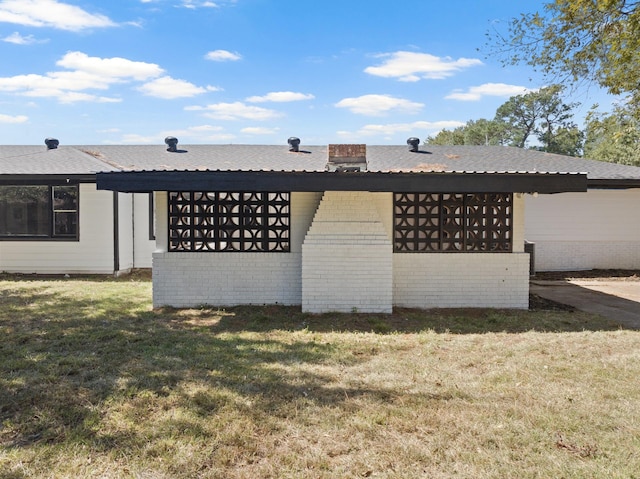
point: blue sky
(252, 71)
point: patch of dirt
(594, 274)
(538, 303)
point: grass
(94, 383)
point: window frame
(51, 234)
(438, 228)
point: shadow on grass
(406, 320)
(64, 353)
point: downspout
(116, 235)
(133, 230)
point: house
(356, 227)
(53, 220)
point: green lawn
(94, 383)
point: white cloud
(280, 97)
(170, 88)
(475, 93)
(13, 119)
(115, 67)
(193, 4)
(377, 105)
(235, 111)
(414, 128)
(135, 139)
(411, 66)
(51, 14)
(72, 97)
(222, 56)
(17, 39)
(256, 130)
(86, 73)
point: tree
(597, 41)
(447, 137)
(613, 137)
(539, 114)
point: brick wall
(225, 279)
(229, 279)
(455, 280)
(347, 256)
(342, 260)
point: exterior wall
(578, 231)
(229, 279)
(93, 254)
(342, 259)
(125, 232)
(143, 245)
(470, 280)
(456, 280)
(347, 257)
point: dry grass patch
(94, 383)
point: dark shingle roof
(89, 159)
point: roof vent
(172, 143)
(51, 143)
(294, 144)
(414, 143)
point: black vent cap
(414, 143)
(51, 143)
(172, 143)
(294, 143)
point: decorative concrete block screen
(229, 222)
(453, 222)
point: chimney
(51, 143)
(347, 158)
(414, 143)
(172, 143)
(294, 144)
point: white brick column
(347, 260)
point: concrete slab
(616, 300)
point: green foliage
(570, 41)
(613, 137)
(540, 114)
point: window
(39, 212)
(229, 222)
(452, 222)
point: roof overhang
(614, 183)
(436, 182)
(43, 179)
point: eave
(46, 179)
(436, 182)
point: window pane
(65, 210)
(24, 211)
(65, 223)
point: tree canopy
(541, 115)
(613, 137)
(570, 41)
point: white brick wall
(342, 260)
(454, 280)
(347, 257)
(225, 279)
(584, 255)
(229, 279)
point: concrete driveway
(617, 300)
